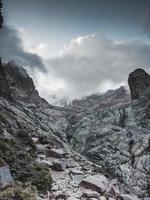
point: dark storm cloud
(11, 48)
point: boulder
(5, 177)
(46, 162)
(70, 163)
(139, 82)
(103, 198)
(75, 172)
(58, 165)
(97, 183)
(90, 194)
(76, 176)
(57, 153)
(127, 197)
(41, 148)
(60, 195)
(113, 189)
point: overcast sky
(77, 47)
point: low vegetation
(23, 166)
(19, 191)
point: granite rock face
(139, 82)
(114, 132)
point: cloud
(11, 48)
(94, 63)
(86, 65)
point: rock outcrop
(139, 82)
(16, 84)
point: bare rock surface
(139, 82)
(98, 183)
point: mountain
(114, 132)
(101, 142)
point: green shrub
(41, 177)
(25, 138)
(19, 191)
(23, 166)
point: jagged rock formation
(106, 129)
(139, 82)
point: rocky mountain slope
(39, 142)
(114, 133)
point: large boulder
(5, 177)
(97, 183)
(59, 165)
(139, 82)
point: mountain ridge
(109, 130)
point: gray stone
(90, 194)
(60, 195)
(98, 183)
(58, 165)
(57, 153)
(41, 148)
(113, 189)
(5, 177)
(127, 197)
(75, 172)
(76, 176)
(70, 163)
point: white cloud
(86, 65)
(41, 50)
(94, 63)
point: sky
(73, 48)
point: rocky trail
(74, 177)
